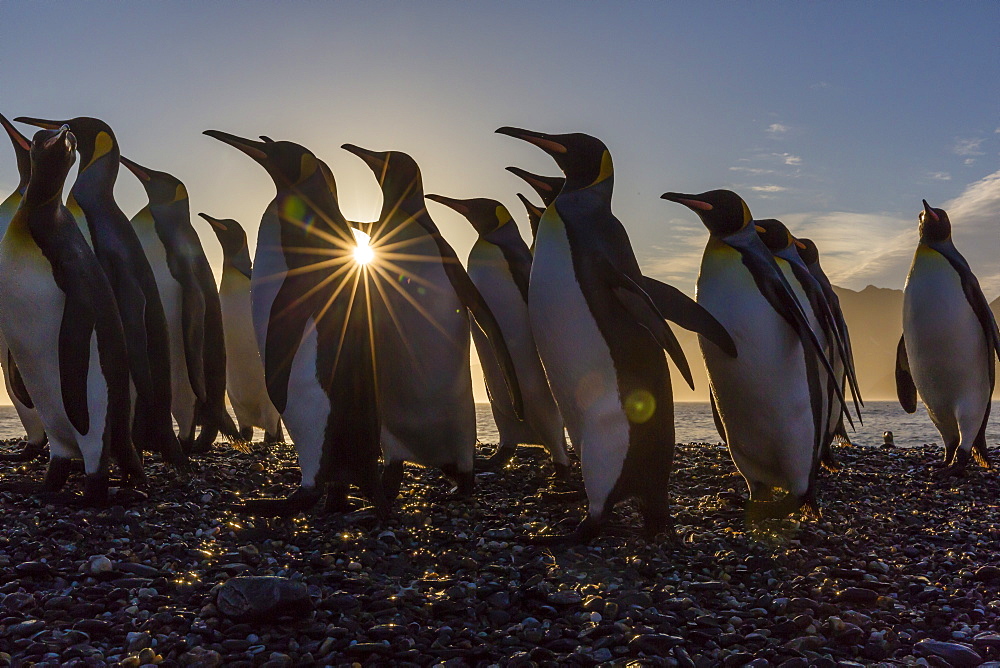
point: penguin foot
(585, 532)
(498, 460)
(29, 452)
(831, 463)
(561, 472)
(299, 501)
(246, 433)
(277, 437)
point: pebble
(458, 584)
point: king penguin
(949, 339)
(244, 371)
(59, 317)
(35, 439)
(785, 249)
(500, 267)
(810, 255)
(534, 215)
(190, 301)
(547, 187)
(767, 398)
(422, 330)
(311, 305)
(601, 339)
(132, 280)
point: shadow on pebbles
(901, 570)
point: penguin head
(161, 188)
(934, 224)
(534, 214)
(723, 212)
(288, 164)
(397, 173)
(95, 138)
(584, 159)
(22, 150)
(486, 215)
(53, 153)
(230, 234)
(808, 251)
(775, 235)
(547, 187)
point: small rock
(988, 574)
(262, 598)
(199, 657)
(857, 595)
(100, 564)
(654, 644)
(568, 597)
(958, 655)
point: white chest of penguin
(574, 353)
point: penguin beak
(455, 204)
(41, 122)
(930, 211)
(252, 148)
(539, 139)
(214, 222)
(373, 159)
(15, 136)
(266, 139)
(690, 201)
(531, 179)
(529, 206)
(799, 244)
(56, 138)
(140, 172)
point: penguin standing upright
(244, 371)
(58, 316)
(547, 187)
(769, 398)
(132, 280)
(312, 316)
(601, 339)
(500, 267)
(949, 339)
(810, 255)
(35, 439)
(422, 330)
(534, 216)
(190, 301)
(808, 291)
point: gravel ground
(901, 569)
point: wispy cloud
(819, 85)
(777, 129)
(769, 189)
(939, 176)
(970, 147)
(789, 159)
(757, 171)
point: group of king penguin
(110, 326)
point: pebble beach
(900, 570)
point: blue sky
(837, 117)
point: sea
(693, 424)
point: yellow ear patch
(503, 216)
(607, 168)
(307, 166)
(180, 193)
(747, 216)
(103, 143)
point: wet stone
(262, 597)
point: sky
(836, 117)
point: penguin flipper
(974, 295)
(132, 310)
(719, 427)
(17, 386)
(285, 329)
(75, 334)
(193, 323)
(645, 312)
(473, 300)
(906, 391)
(678, 308)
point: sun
(363, 252)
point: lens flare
(363, 253)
